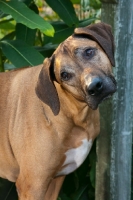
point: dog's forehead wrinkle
(65, 48)
(80, 43)
(70, 64)
(67, 68)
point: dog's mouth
(100, 90)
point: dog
(49, 114)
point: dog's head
(82, 65)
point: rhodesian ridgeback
(49, 114)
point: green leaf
(92, 159)
(92, 175)
(79, 193)
(63, 196)
(65, 9)
(47, 50)
(27, 2)
(2, 14)
(23, 32)
(7, 25)
(8, 66)
(75, 1)
(21, 54)
(26, 34)
(86, 22)
(22, 14)
(9, 36)
(7, 190)
(96, 4)
(1, 62)
(62, 31)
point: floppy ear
(101, 33)
(45, 88)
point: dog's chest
(75, 157)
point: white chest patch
(75, 157)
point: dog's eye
(89, 53)
(65, 76)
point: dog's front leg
(32, 186)
(36, 174)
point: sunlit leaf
(9, 36)
(22, 14)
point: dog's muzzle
(99, 89)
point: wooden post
(114, 145)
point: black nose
(95, 87)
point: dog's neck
(76, 115)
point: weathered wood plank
(114, 146)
